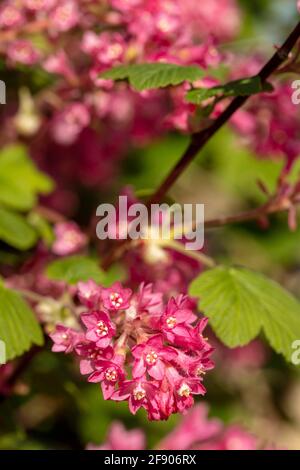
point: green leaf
(242, 87)
(19, 328)
(73, 269)
(15, 196)
(240, 303)
(154, 75)
(20, 181)
(16, 231)
(42, 227)
(115, 273)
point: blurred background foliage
(54, 407)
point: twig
(18, 371)
(253, 214)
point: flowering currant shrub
(139, 349)
(103, 99)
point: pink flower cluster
(140, 350)
(69, 239)
(269, 123)
(195, 431)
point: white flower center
(116, 299)
(102, 329)
(171, 322)
(111, 375)
(184, 390)
(131, 312)
(139, 393)
(200, 371)
(151, 358)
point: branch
(253, 214)
(245, 216)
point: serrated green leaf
(73, 269)
(14, 195)
(16, 231)
(154, 75)
(242, 87)
(19, 328)
(240, 303)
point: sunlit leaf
(240, 303)
(19, 328)
(75, 268)
(154, 75)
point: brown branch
(199, 139)
(253, 214)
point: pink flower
(234, 438)
(116, 297)
(59, 64)
(89, 354)
(90, 42)
(64, 17)
(152, 357)
(109, 373)
(139, 393)
(22, 51)
(37, 5)
(107, 48)
(100, 329)
(185, 389)
(176, 320)
(148, 300)
(11, 16)
(68, 124)
(193, 428)
(65, 339)
(195, 431)
(269, 123)
(89, 293)
(126, 5)
(69, 239)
